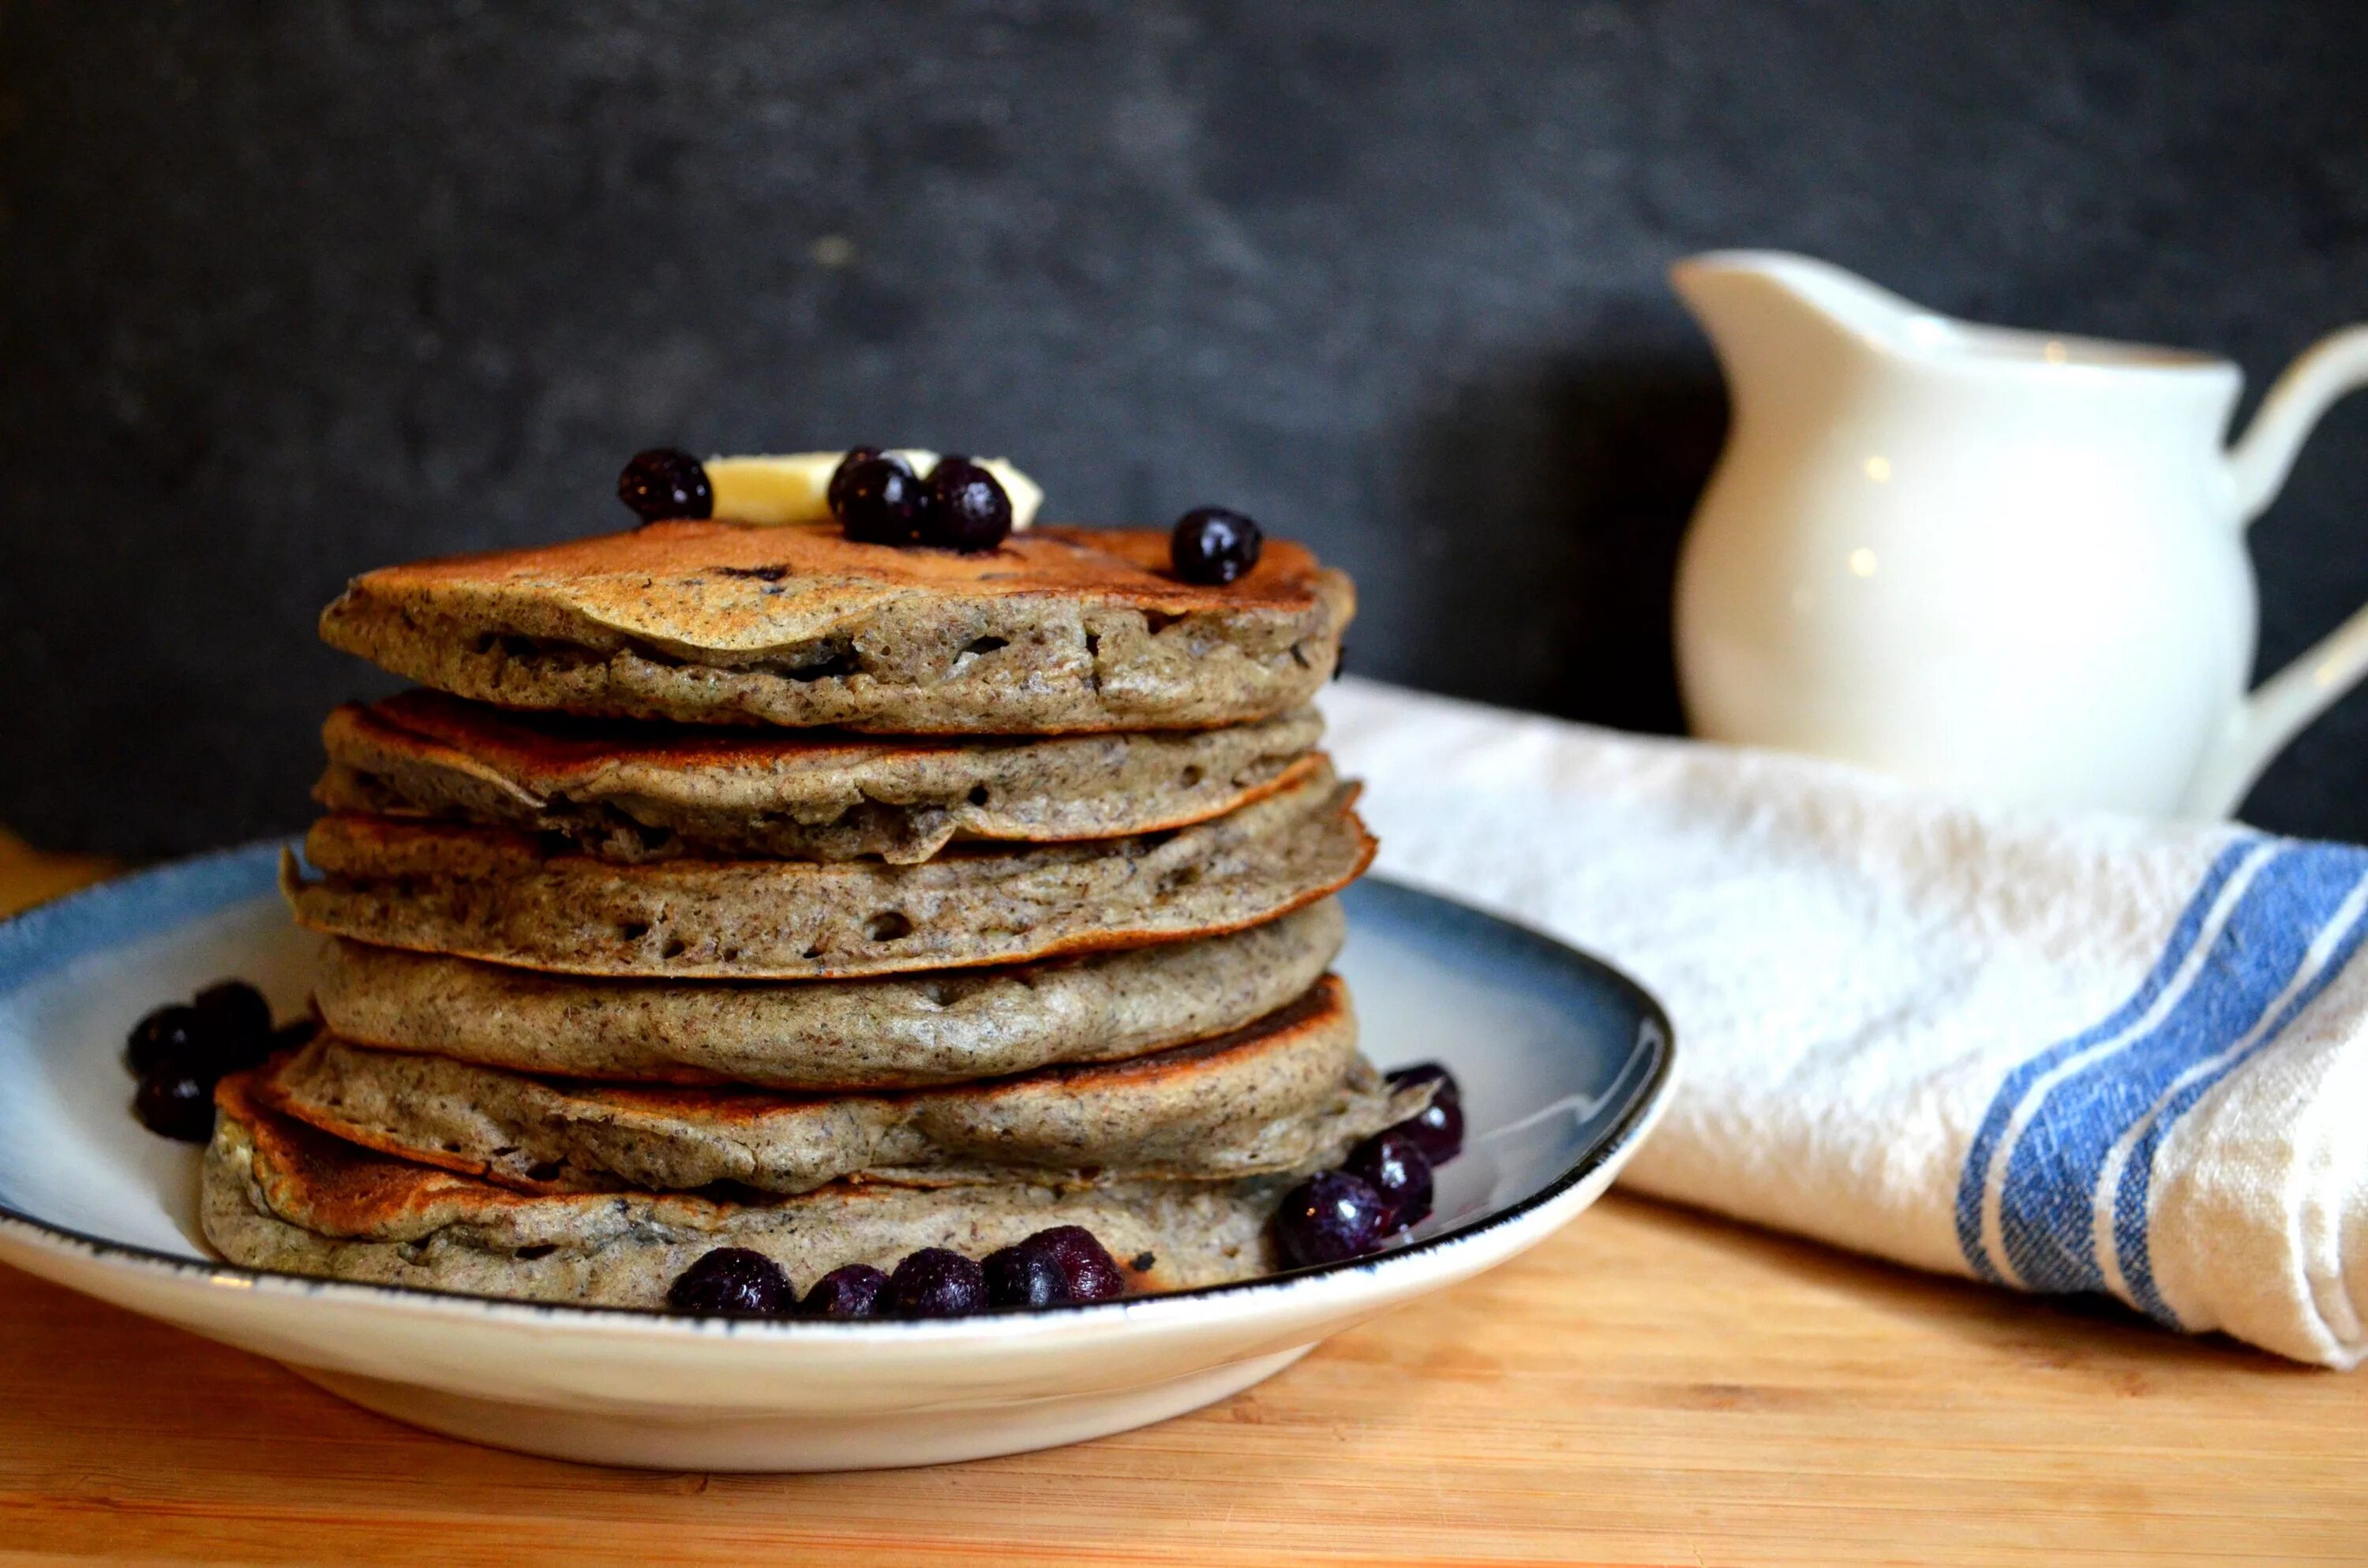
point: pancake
(893, 1032)
(278, 1195)
(488, 894)
(1288, 1094)
(629, 791)
(712, 622)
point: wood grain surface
(1649, 1386)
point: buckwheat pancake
(631, 792)
(278, 1195)
(712, 622)
(1288, 1094)
(493, 894)
(898, 1031)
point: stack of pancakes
(754, 887)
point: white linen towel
(2067, 1053)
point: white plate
(1564, 1066)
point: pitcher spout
(1773, 315)
(1762, 289)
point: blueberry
(1093, 1273)
(240, 1024)
(968, 510)
(733, 1282)
(175, 1102)
(1022, 1276)
(216, 1036)
(1329, 1217)
(236, 1005)
(1394, 1165)
(850, 1290)
(1212, 545)
(836, 494)
(167, 1038)
(878, 501)
(664, 482)
(935, 1283)
(295, 1036)
(1438, 1131)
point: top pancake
(1056, 629)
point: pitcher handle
(2281, 706)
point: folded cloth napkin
(2063, 1052)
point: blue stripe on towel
(2132, 1199)
(2138, 1074)
(2047, 1214)
(1972, 1186)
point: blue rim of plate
(125, 909)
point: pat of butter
(794, 487)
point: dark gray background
(288, 290)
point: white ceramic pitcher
(2005, 562)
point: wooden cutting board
(1649, 1386)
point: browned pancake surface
(725, 586)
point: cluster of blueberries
(1063, 1266)
(878, 499)
(178, 1054)
(1385, 1186)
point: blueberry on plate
(169, 1037)
(226, 1029)
(175, 1103)
(879, 500)
(850, 1290)
(1022, 1276)
(733, 1282)
(968, 510)
(1093, 1275)
(1394, 1166)
(237, 1006)
(666, 483)
(1438, 1130)
(1213, 545)
(1328, 1217)
(239, 1032)
(936, 1283)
